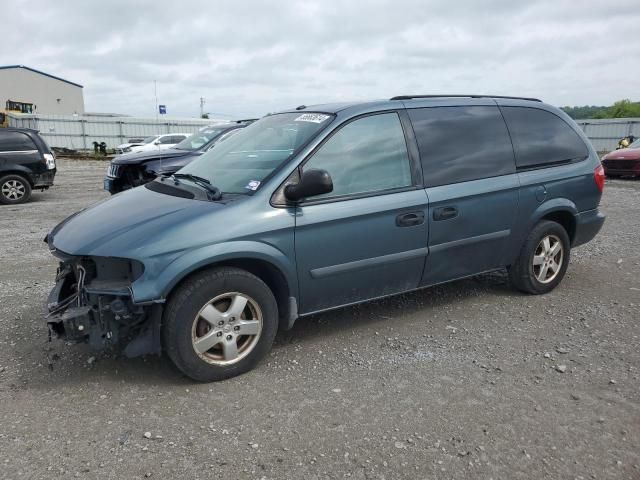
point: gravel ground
(466, 380)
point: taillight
(49, 160)
(598, 177)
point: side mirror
(157, 142)
(313, 182)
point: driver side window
(367, 155)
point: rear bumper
(588, 224)
(43, 180)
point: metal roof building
(49, 94)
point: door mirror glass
(313, 182)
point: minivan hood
(127, 224)
(140, 157)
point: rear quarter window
(459, 144)
(16, 142)
(541, 138)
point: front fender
(157, 281)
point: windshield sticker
(253, 185)
(312, 117)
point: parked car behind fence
(26, 163)
(133, 170)
(623, 161)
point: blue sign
(162, 109)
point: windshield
(150, 139)
(199, 139)
(635, 144)
(242, 162)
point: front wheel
(219, 324)
(543, 260)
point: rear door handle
(410, 219)
(445, 213)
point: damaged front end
(92, 302)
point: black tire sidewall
(541, 230)
(187, 301)
(27, 189)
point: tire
(14, 189)
(529, 277)
(206, 312)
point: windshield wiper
(203, 182)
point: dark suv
(320, 207)
(26, 163)
(134, 169)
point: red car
(623, 162)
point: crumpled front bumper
(101, 312)
(71, 322)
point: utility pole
(201, 107)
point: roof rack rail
(410, 97)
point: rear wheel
(219, 324)
(543, 260)
(14, 189)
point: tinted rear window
(458, 144)
(16, 142)
(541, 138)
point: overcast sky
(249, 57)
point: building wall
(23, 85)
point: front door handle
(445, 213)
(410, 219)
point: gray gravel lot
(458, 381)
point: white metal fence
(78, 132)
(605, 134)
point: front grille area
(621, 164)
(113, 171)
(128, 176)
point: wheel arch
(17, 170)
(566, 219)
(264, 261)
(266, 271)
(559, 210)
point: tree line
(620, 109)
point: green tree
(588, 111)
(620, 109)
(624, 108)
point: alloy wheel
(547, 259)
(227, 328)
(13, 190)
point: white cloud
(250, 57)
